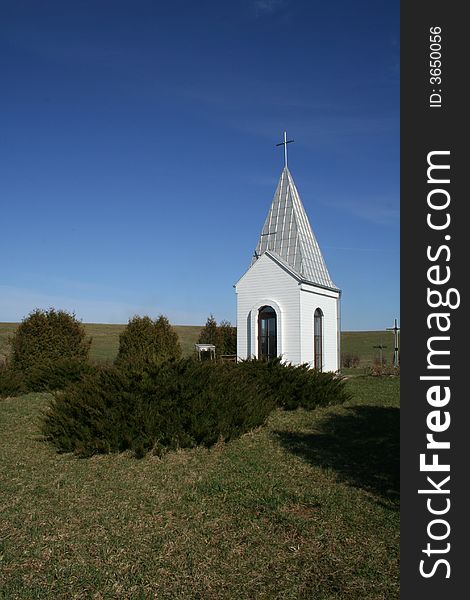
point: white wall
(311, 298)
(267, 283)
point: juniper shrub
(147, 341)
(48, 350)
(166, 405)
(295, 386)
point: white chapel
(287, 303)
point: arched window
(318, 339)
(267, 332)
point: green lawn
(306, 507)
(106, 341)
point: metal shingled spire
(287, 233)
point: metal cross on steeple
(284, 143)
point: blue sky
(138, 158)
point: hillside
(106, 341)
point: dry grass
(304, 508)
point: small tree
(227, 338)
(209, 332)
(223, 336)
(46, 337)
(168, 345)
(146, 341)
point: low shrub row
(47, 375)
(179, 404)
(11, 382)
(294, 386)
(176, 404)
(150, 399)
(50, 350)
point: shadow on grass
(361, 446)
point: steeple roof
(287, 234)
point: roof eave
(284, 265)
(322, 286)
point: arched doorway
(318, 339)
(267, 332)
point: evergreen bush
(146, 341)
(297, 386)
(166, 405)
(93, 416)
(227, 338)
(12, 382)
(48, 350)
(46, 336)
(55, 374)
(208, 333)
(223, 336)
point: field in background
(306, 507)
(106, 341)
(105, 338)
(361, 344)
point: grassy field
(361, 343)
(306, 507)
(105, 341)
